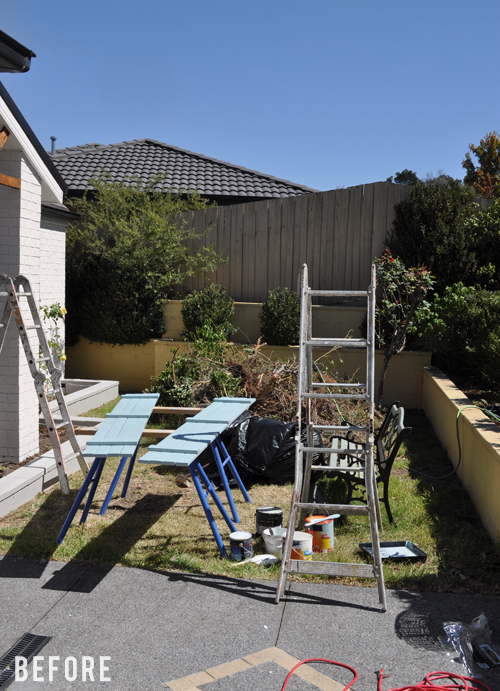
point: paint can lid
(240, 536)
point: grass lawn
(162, 526)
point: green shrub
(210, 307)
(124, 256)
(464, 330)
(280, 318)
(431, 229)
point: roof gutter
(14, 57)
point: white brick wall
(19, 253)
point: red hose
(428, 683)
(330, 662)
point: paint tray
(402, 550)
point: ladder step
(328, 568)
(34, 326)
(343, 509)
(337, 293)
(344, 428)
(72, 456)
(63, 424)
(42, 359)
(346, 396)
(341, 342)
(337, 385)
(329, 449)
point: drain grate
(27, 646)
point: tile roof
(185, 170)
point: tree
(406, 177)
(124, 256)
(431, 228)
(486, 177)
(402, 306)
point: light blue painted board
(121, 431)
(183, 446)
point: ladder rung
(42, 359)
(341, 342)
(329, 449)
(338, 293)
(2, 325)
(72, 456)
(33, 326)
(351, 397)
(343, 509)
(63, 424)
(345, 428)
(332, 568)
(350, 468)
(337, 385)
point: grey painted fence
(337, 233)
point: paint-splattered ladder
(14, 290)
(306, 395)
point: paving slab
(191, 632)
(345, 623)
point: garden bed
(162, 526)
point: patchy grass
(162, 526)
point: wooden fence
(337, 233)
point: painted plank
(276, 246)
(327, 230)
(379, 218)
(248, 250)
(261, 253)
(300, 236)
(354, 238)
(340, 238)
(210, 231)
(366, 224)
(224, 244)
(289, 246)
(236, 257)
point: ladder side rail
(6, 283)
(39, 379)
(55, 375)
(297, 486)
(370, 479)
(306, 482)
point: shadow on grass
(468, 561)
(38, 539)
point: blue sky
(325, 93)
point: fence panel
(338, 233)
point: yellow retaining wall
(328, 321)
(133, 365)
(479, 469)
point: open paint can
(301, 546)
(321, 532)
(268, 517)
(241, 545)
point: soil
(45, 445)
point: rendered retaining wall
(479, 469)
(133, 366)
(328, 321)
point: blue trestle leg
(223, 477)
(79, 498)
(112, 488)
(229, 461)
(199, 476)
(92, 490)
(129, 473)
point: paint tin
(322, 533)
(301, 546)
(268, 517)
(241, 545)
(274, 542)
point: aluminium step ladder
(306, 396)
(11, 289)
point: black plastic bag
(262, 449)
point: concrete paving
(188, 632)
